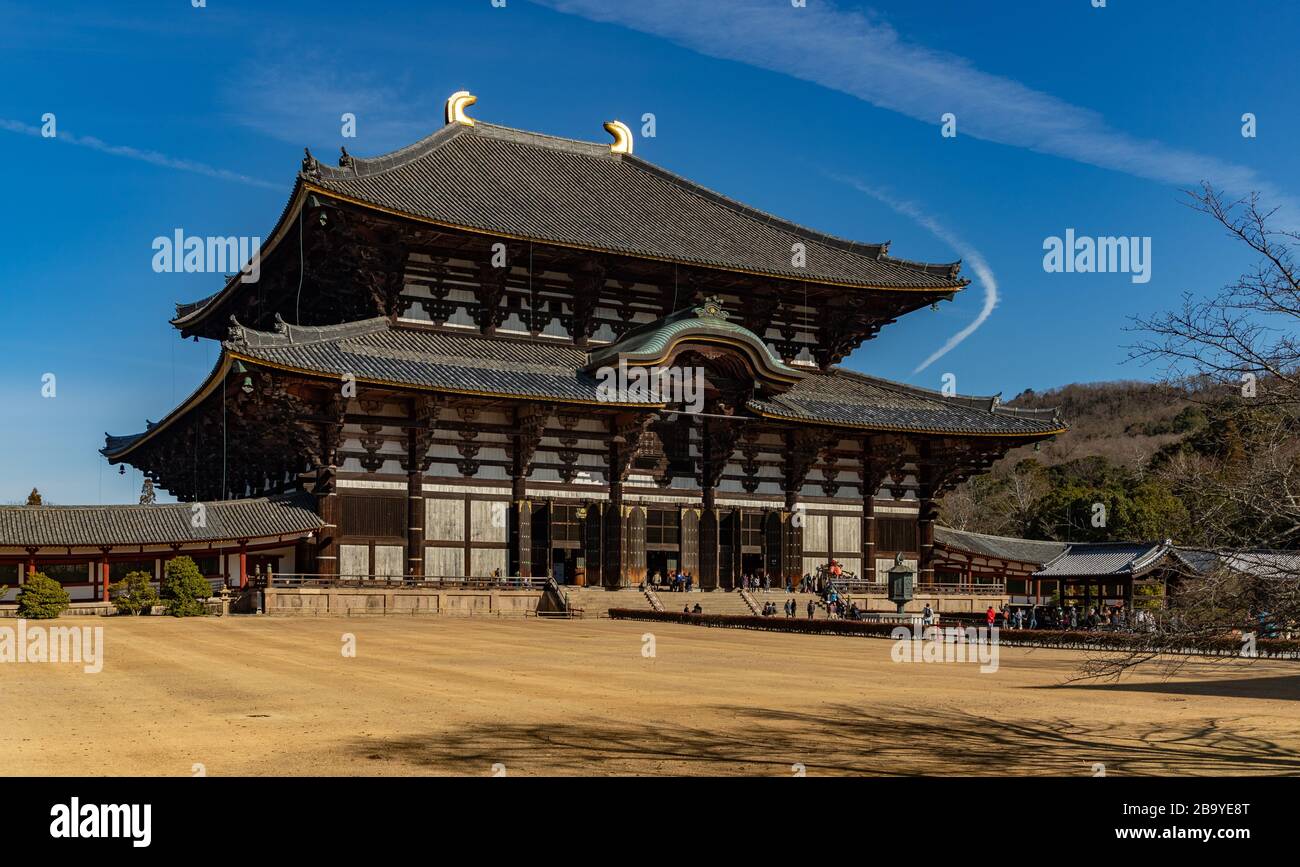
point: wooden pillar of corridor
(103, 572)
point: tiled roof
(552, 190)
(374, 350)
(449, 361)
(225, 521)
(1119, 559)
(1263, 564)
(857, 400)
(999, 547)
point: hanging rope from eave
(302, 267)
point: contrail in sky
(144, 156)
(983, 273)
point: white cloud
(303, 102)
(866, 58)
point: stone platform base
(358, 601)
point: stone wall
(341, 601)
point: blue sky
(1068, 116)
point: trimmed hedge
(1071, 639)
(184, 588)
(42, 598)
(777, 623)
(134, 593)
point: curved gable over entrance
(701, 331)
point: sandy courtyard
(261, 696)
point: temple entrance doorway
(664, 563)
(567, 566)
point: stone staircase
(713, 602)
(596, 602)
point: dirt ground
(258, 696)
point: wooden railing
(881, 588)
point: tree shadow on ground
(845, 740)
(1283, 688)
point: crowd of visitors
(1096, 617)
(824, 586)
(679, 582)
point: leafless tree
(1237, 350)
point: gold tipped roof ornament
(622, 137)
(456, 105)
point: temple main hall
(413, 385)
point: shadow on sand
(1284, 688)
(844, 740)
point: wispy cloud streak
(983, 273)
(144, 156)
(860, 55)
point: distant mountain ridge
(1124, 421)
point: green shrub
(134, 593)
(184, 588)
(42, 598)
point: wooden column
(710, 534)
(614, 518)
(414, 516)
(327, 548)
(869, 536)
(715, 451)
(243, 565)
(737, 548)
(423, 421)
(925, 540)
(416, 452)
(690, 542)
(792, 545)
(634, 571)
(521, 529)
(530, 427)
(103, 568)
(594, 530)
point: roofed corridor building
(425, 350)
